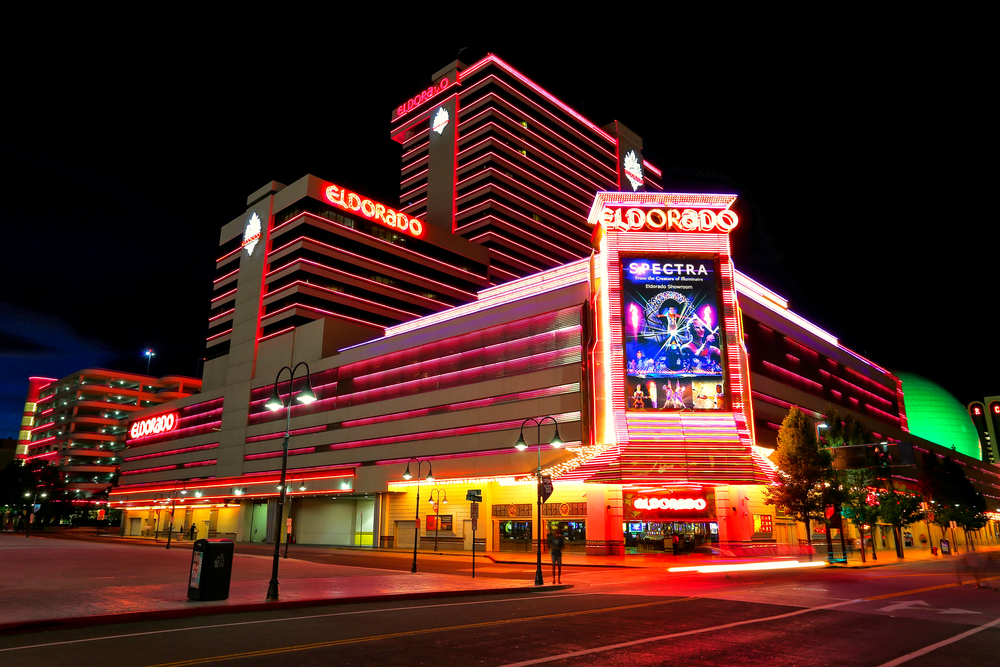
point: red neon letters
(153, 426)
(374, 211)
(656, 219)
(422, 97)
(669, 504)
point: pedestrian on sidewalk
(556, 543)
(194, 531)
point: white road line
(280, 620)
(944, 642)
(647, 640)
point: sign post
(475, 496)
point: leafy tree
(860, 503)
(899, 509)
(16, 480)
(951, 495)
(844, 430)
(805, 471)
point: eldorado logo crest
(252, 233)
(633, 170)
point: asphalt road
(913, 614)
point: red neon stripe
(228, 254)
(170, 452)
(538, 89)
(594, 172)
(231, 273)
(341, 294)
(269, 316)
(227, 481)
(227, 331)
(382, 264)
(276, 333)
(223, 314)
(223, 296)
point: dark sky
(861, 159)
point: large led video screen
(674, 353)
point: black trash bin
(211, 570)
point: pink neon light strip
(547, 281)
(592, 170)
(350, 297)
(304, 239)
(223, 296)
(465, 405)
(532, 205)
(222, 314)
(270, 316)
(361, 236)
(542, 259)
(275, 334)
(280, 434)
(652, 168)
(538, 89)
(492, 156)
(171, 452)
(520, 231)
(408, 295)
(218, 335)
(231, 273)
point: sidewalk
(912, 555)
(81, 582)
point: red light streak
(652, 168)
(227, 331)
(223, 296)
(171, 452)
(222, 314)
(343, 295)
(226, 481)
(276, 333)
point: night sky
(860, 159)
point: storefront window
(515, 536)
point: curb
(49, 624)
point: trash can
(211, 570)
(945, 548)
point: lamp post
(302, 487)
(173, 508)
(416, 512)
(121, 508)
(149, 359)
(521, 445)
(31, 514)
(437, 511)
(274, 404)
(157, 499)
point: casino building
(532, 270)
(79, 422)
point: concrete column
(605, 512)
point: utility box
(211, 570)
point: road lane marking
(281, 620)
(944, 642)
(410, 633)
(647, 640)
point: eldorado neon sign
(380, 213)
(669, 504)
(624, 219)
(424, 95)
(153, 426)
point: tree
(951, 495)
(805, 471)
(860, 503)
(844, 430)
(899, 509)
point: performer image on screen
(638, 398)
(700, 356)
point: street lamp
(157, 500)
(274, 404)
(149, 358)
(521, 445)
(437, 511)
(416, 512)
(173, 508)
(34, 497)
(302, 487)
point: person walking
(556, 543)
(194, 531)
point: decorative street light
(416, 513)
(31, 514)
(149, 358)
(301, 487)
(173, 507)
(437, 511)
(521, 445)
(275, 403)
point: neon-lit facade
(517, 294)
(79, 423)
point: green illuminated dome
(934, 414)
